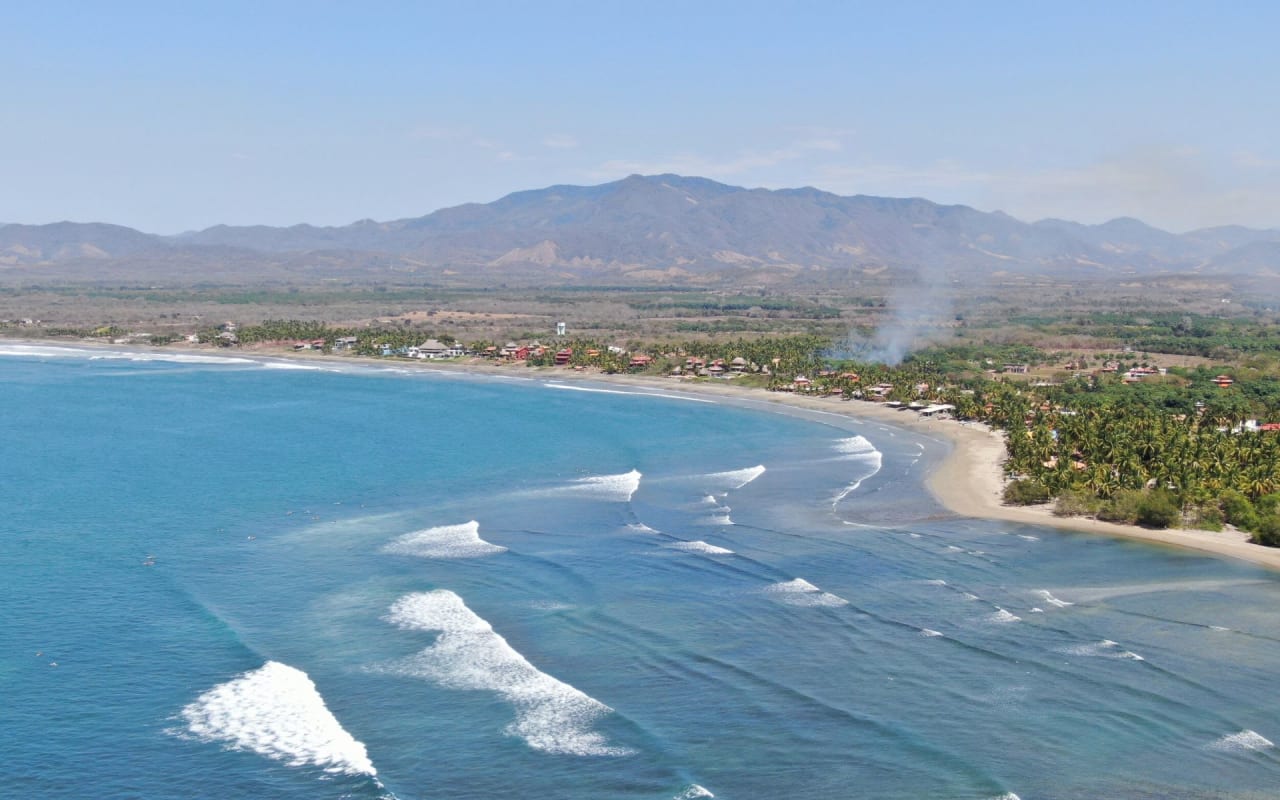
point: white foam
(1051, 600)
(936, 582)
(1001, 616)
(1007, 796)
(800, 592)
(618, 488)
(293, 365)
(1028, 537)
(693, 792)
(720, 519)
(736, 479)
(929, 632)
(845, 492)
(1103, 649)
(640, 527)
(446, 541)
(275, 711)
(699, 546)
(633, 394)
(551, 715)
(1243, 741)
(955, 549)
(970, 596)
(856, 446)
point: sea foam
(551, 715)
(1243, 741)
(1051, 600)
(617, 488)
(699, 546)
(736, 479)
(693, 792)
(1103, 649)
(276, 711)
(800, 592)
(1001, 616)
(446, 541)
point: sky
(169, 116)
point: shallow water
(359, 583)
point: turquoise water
(226, 578)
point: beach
(968, 482)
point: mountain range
(660, 229)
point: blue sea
(239, 578)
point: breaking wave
(592, 390)
(693, 792)
(275, 711)
(1103, 649)
(800, 592)
(699, 546)
(1051, 600)
(1001, 616)
(736, 479)
(1243, 741)
(551, 715)
(617, 488)
(446, 541)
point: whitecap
(936, 582)
(699, 546)
(551, 715)
(1103, 649)
(800, 592)
(593, 390)
(617, 488)
(693, 792)
(857, 446)
(736, 479)
(446, 541)
(1001, 616)
(1245, 740)
(1028, 537)
(929, 632)
(1051, 600)
(640, 527)
(276, 711)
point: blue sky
(170, 117)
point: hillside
(648, 229)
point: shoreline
(967, 481)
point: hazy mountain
(659, 228)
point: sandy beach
(967, 482)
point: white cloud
(561, 141)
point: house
(345, 342)
(1223, 381)
(738, 364)
(521, 353)
(1016, 369)
(563, 356)
(431, 348)
(943, 409)
(1269, 426)
(801, 383)
(640, 362)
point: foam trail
(1103, 649)
(1243, 741)
(800, 592)
(618, 488)
(551, 715)
(633, 394)
(700, 546)
(1051, 600)
(693, 792)
(275, 711)
(447, 541)
(848, 490)
(736, 479)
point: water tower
(559, 329)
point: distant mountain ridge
(660, 228)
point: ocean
(235, 578)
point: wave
(618, 488)
(1001, 616)
(48, 351)
(699, 546)
(1051, 600)
(1103, 649)
(446, 541)
(633, 394)
(275, 711)
(929, 632)
(737, 478)
(858, 446)
(551, 715)
(1243, 741)
(693, 792)
(800, 592)
(640, 527)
